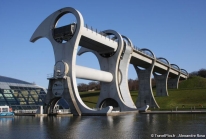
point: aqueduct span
(114, 52)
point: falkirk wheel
(114, 52)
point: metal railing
(25, 111)
(114, 109)
(184, 72)
(162, 61)
(100, 33)
(143, 52)
(63, 111)
(174, 67)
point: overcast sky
(173, 29)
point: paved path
(174, 112)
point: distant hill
(193, 82)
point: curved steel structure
(175, 66)
(183, 70)
(145, 49)
(114, 55)
(162, 58)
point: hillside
(193, 82)
(191, 93)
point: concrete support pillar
(145, 94)
(173, 82)
(63, 92)
(161, 83)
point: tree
(194, 73)
(133, 84)
(202, 73)
(82, 87)
(98, 86)
(92, 85)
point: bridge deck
(144, 61)
(90, 39)
(99, 42)
(96, 41)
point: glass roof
(12, 80)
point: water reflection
(6, 121)
(124, 126)
(102, 126)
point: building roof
(12, 80)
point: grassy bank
(183, 99)
(90, 98)
(191, 93)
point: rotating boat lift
(114, 52)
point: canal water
(132, 126)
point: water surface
(132, 126)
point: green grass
(193, 82)
(183, 99)
(191, 93)
(90, 98)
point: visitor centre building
(20, 95)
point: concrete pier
(161, 84)
(173, 79)
(145, 94)
(173, 82)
